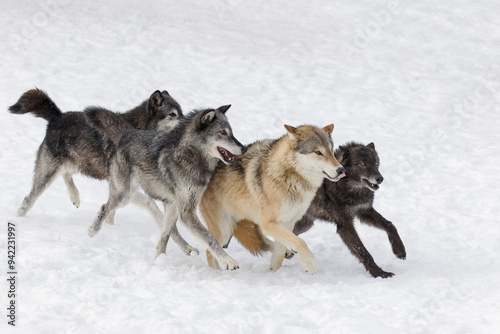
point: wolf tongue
(340, 176)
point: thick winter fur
(83, 142)
(272, 185)
(174, 167)
(341, 203)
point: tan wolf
(272, 185)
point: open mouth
(227, 156)
(334, 179)
(371, 186)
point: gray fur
(83, 142)
(175, 168)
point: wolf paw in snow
(21, 212)
(93, 230)
(191, 251)
(308, 263)
(378, 272)
(229, 265)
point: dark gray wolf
(272, 185)
(341, 203)
(83, 142)
(175, 168)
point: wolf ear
(165, 92)
(293, 133)
(328, 129)
(223, 109)
(344, 154)
(371, 145)
(207, 116)
(156, 99)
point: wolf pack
(265, 194)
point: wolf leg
(46, 171)
(288, 239)
(149, 204)
(221, 229)
(169, 220)
(116, 198)
(373, 218)
(110, 219)
(279, 252)
(353, 242)
(190, 219)
(74, 195)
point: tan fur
(270, 186)
(250, 236)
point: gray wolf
(340, 203)
(272, 185)
(174, 167)
(83, 142)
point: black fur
(85, 141)
(343, 201)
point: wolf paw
(399, 251)
(93, 230)
(308, 264)
(229, 265)
(21, 212)
(191, 251)
(289, 254)
(75, 199)
(378, 272)
(110, 220)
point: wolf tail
(37, 102)
(250, 236)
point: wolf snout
(379, 179)
(341, 170)
(244, 149)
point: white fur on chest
(291, 212)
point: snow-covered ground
(420, 79)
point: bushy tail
(37, 102)
(250, 236)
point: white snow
(419, 79)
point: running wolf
(341, 203)
(83, 142)
(272, 185)
(174, 167)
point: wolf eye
(223, 132)
(318, 152)
(172, 114)
(362, 164)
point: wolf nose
(379, 179)
(340, 170)
(244, 149)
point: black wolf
(83, 142)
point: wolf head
(361, 163)
(215, 127)
(164, 110)
(314, 151)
